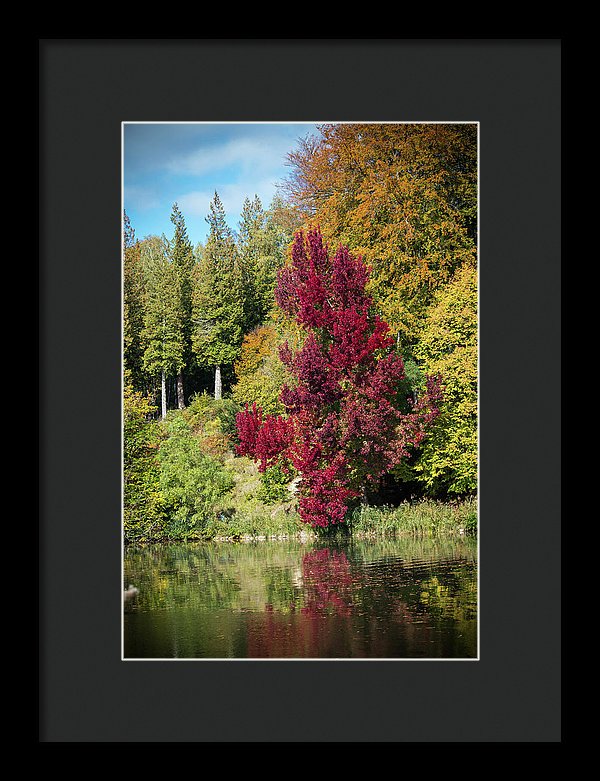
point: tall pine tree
(218, 298)
(133, 307)
(181, 254)
(262, 251)
(163, 330)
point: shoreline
(424, 518)
(304, 537)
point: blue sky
(185, 163)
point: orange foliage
(403, 196)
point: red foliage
(343, 427)
(264, 439)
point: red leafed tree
(343, 427)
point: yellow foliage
(402, 196)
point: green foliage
(404, 197)
(143, 505)
(448, 346)
(257, 522)
(181, 255)
(241, 513)
(218, 295)
(262, 252)
(163, 316)
(274, 485)
(190, 480)
(212, 421)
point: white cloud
(260, 154)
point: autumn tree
(162, 336)
(217, 298)
(285, 216)
(343, 427)
(260, 374)
(181, 255)
(404, 196)
(448, 346)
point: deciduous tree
(259, 370)
(343, 428)
(404, 196)
(448, 346)
(143, 503)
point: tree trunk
(163, 391)
(218, 387)
(180, 399)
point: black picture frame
(87, 88)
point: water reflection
(363, 599)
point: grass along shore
(418, 518)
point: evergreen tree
(248, 228)
(133, 307)
(218, 298)
(261, 253)
(181, 254)
(163, 331)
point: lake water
(361, 599)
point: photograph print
(300, 391)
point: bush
(143, 504)
(213, 422)
(191, 481)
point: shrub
(213, 422)
(191, 481)
(143, 503)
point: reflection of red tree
(328, 583)
(328, 587)
(276, 635)
(348, 611)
